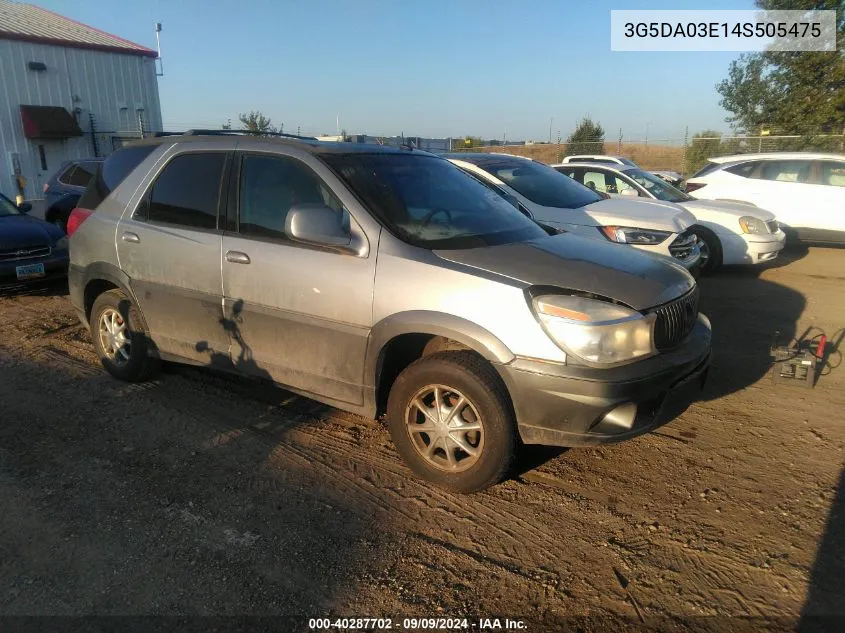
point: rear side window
(66, 175)
(743, 169)
(81, 175)
(709, 168)
(786, 170)
(112, 172)
(187, 192)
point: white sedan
(556, 201)
(728, 232)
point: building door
(48, 156)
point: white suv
(806, 191)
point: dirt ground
(204, 494)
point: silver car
(382, 280)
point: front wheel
(452, 422)
(711, 249)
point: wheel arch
(402, 338)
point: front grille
(683, 246)
(772, 225)
(24, 252)
(675, 320)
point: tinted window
(112, 172)
(187, 192)
(429, 202)
(746, 170)
(66, 175)
(539, 183)
(82, 174)
(711, 167)
(786, 170)
(832, 173)
(270, 186)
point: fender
(79, 278)
(435, 323)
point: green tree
(256, 122)
(588, 138)
(704, 145)
(788, 92)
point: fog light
(619, 419)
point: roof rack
(199, 132)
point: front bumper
(55, 268)
(565, 405)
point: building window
(43, 156)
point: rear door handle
(130, 237)
(237, 257)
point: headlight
(595, 331)
(62, 244)
(629, 235)
(752, 225)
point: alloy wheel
(114, 336)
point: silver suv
(382, 280)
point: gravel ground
(204, 494)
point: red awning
(48, 122)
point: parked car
(727, 232)
(379, 279)
(557, 201)
(805, 190)
(62, 191)
(30, 249)
(598, 158)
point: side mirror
(630, 193)
(25, 207)
(318, 225)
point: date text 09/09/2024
(416, 624)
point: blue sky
(419, 67)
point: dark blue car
(31, 250)
(63, 190)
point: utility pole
(646, 131)
(552, 120)
(619, 143)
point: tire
(132, 362)
(451, 375)
(708, 240)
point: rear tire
(711, 249)
(120, 338)
(452, 422)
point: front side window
(187, 192)
(429, 202)
(539, 183)
(832, 173)
(270, 186)
(786, 170)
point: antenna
(160, 71)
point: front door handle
(237, 257)
(130, 237)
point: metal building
(67, 90)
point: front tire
(120, 338)
(452, 422)
(711, 249)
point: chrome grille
(772, 225)
(675, 320)
(24, 252)
(683, 246)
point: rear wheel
(711, 249)
(451, 421)
(120, 338)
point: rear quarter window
(112, 172)
(743, 169)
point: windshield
(540, 183)
(656, 186)
(7, 207)
(428, 202)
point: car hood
(641, 214)
(22, 230)
(638, 279)
(711, 209)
